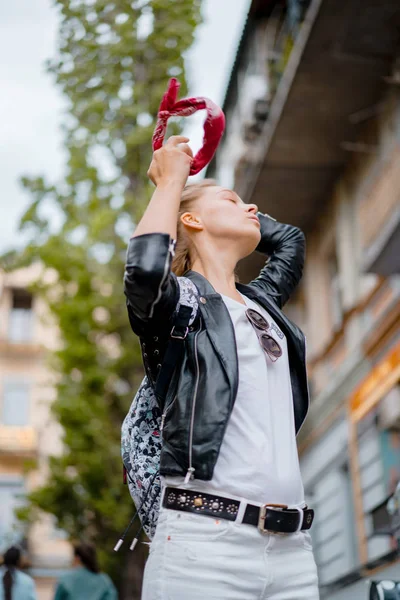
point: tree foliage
(113, 65)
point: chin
(249, 242)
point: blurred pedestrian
(15, 585)
(84, 581)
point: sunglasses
(262, 327)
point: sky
(31, 107)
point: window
(11, 497)
(21, 317)
(15, 403)
(383, 520)
(378, 457)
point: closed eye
(230, 195)
(231, 198)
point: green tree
(113, 65)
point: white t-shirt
(258, 459)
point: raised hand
(171, 163)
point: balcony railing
(287, 26)
(18, 441)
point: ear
(191, 221)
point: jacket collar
(209, 293)
(207, 290)
(288, 327)
(203, 285)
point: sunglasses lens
(257, 319)
(271, 346)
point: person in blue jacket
(14, 584)
(84, 581)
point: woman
(85, 582)
(233, 523)
(15, 585)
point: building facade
(28, 434)
(350, 446)
(317, 144)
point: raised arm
(169, 171)
(149, 286)
(285, 246)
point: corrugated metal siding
(373, 487)
(331, 532)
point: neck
(218, 267)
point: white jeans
(195, 557)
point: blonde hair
(183, 258)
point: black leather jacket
(203, 391)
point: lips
(254, 219)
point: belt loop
(241, 511)
(301, 513)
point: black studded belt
(268, 518)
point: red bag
(214, 124)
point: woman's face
(223, 215)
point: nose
(252, 208)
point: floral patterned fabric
(141, 438)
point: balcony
(334, 73)
(18, 442)
(9, 349)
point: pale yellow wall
(29, 361)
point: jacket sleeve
(285, 246)
(151, 290)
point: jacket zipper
(163, 416)
(190, 471)
(170, 255)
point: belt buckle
(176, 336)
(262, 515)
